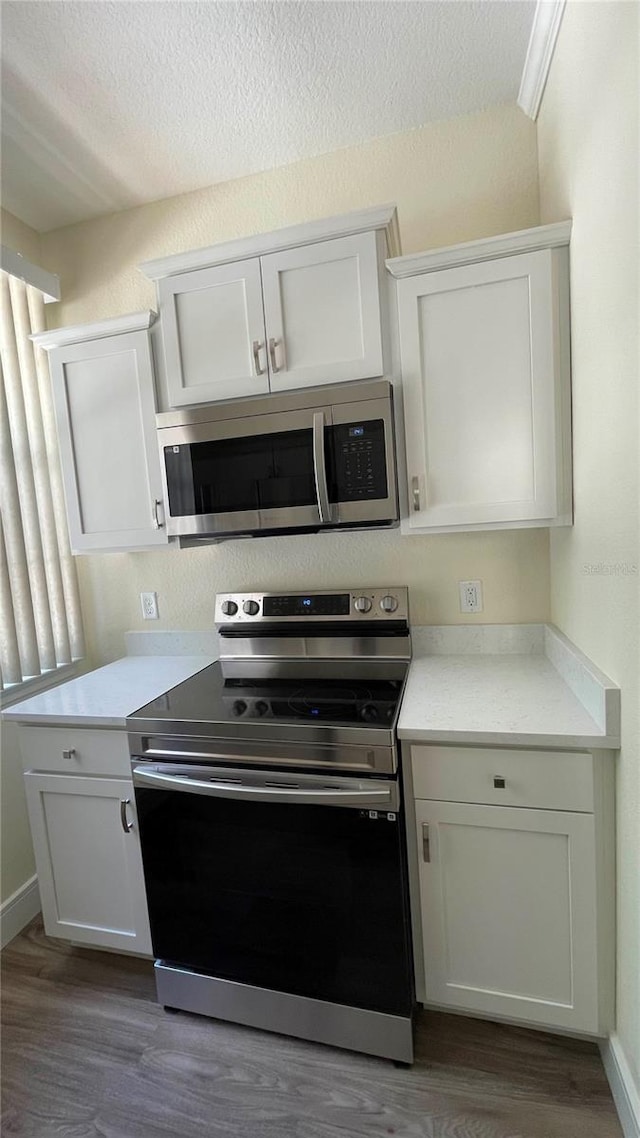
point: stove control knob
(251, 608)
(239, 707)
(261, 707)
(369, 713)
(389, 603)
(362, 604)
(229, 608)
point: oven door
(300, 469)
(295, 883)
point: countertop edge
(110, 722)
(512, 738)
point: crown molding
(79, 333)
(542, 42)
(486, 249)
(17, 266)
(379, 217)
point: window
(40, 620)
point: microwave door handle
(319, 468)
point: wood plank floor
(87, 1052)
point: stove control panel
(330, 605)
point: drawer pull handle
(70, 754)
(126, 825)
(499, 782)
(426, 843)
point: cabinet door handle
(272, 353)
(415, 493)
(256, 358)
(499, 781)
(70, 754)
(127, 826)
(157, 524)
(426, 843)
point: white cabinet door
(104, 401)
(213, 333)
(322, 312)
(89, 867)
(508, 907)
(479, 386)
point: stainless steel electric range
(271, 822)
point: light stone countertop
(516, 685)
(106, 696)
(502, 700)
(509, 685)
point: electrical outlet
(470, 596)
(149, 602)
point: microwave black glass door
(304, 899)
(256, 472)
(271, 471)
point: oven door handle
(319, 468)
(322, 796)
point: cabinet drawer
(98, 751)
(551, 780)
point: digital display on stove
(336, 604)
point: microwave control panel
(359, 461)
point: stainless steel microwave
(318, 459)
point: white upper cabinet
(322, 312)
(484, 361)
(104, 400)
(297, 308)
(213, 333)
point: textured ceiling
(108, 105)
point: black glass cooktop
(208, 697)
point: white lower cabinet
(508, 905)
(87, 849)
(511, 923)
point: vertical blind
(40, 621)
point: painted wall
(588, 155)
(19, 237)
(17, 864)
(453, 181)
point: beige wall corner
(588, 159)
(453, 180)
(19, 237)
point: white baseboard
(623, 1088)
(20, 908)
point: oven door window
(310, 900)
